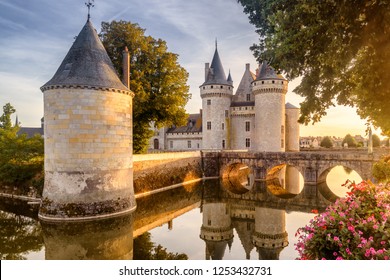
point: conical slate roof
(290, 106)
(216, 73)
(245, 86)
(266, 72)
(86, 65)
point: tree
(5, 119)
(351, 142)
(339, 48)
(326, 142)
(376, 141)
(157, 79)
(21, 158)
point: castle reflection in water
(204, 220)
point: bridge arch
(284, 181)
(237, 177)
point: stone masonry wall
(155, 171)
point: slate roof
(290, 106)
(267, 72)
(30, 131)
(216, 73)
(194, 125)
(87, 65)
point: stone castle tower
(254, 118)
(88, 136)
(216, 93)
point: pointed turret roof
(216, 73)
(267, 72)
(245, 86)
(229, 78)
(86, 65)
(290, 106)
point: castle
(255, 118)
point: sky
(35, 36)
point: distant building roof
(194, 125)
(31, 131)
(87, 65)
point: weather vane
(89, 4)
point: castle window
(208, 125)
(282, 82)
(248, 97)
(247, 126)
(171, 144)
(262, 82)
(189, 144)
(282, 143)
(223, 144)
(208, 101)
(229, 87)
(247, 142)
(273, 82)
(197, 145)
(282, 129)
(212, 87)
(221, 86)
(226, 113)
(204, 87)
(223, 126)
(209, 222)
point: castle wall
(155, 171)
(184, 141)
(88, 153)
(240, 116)
(292, 130)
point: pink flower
(336, 238)
(339, 258)
(348, 251)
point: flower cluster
(355, 227)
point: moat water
(212, 219)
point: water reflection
(237, 218)
(285, 181)
(109, 239)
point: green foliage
(5, 119)
(381, 170)
(355, 227)
(157, 79)
(376, 141)
(21, 158)
(326, 142)
(339, 48)
(351, 142)
(144, 249)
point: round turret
(292, 128)
(88, 136)
(269, 90)
(216, 93)
(216, 230)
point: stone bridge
(313, 165)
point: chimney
(206, 70)
(247, 66)
(126, 67)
